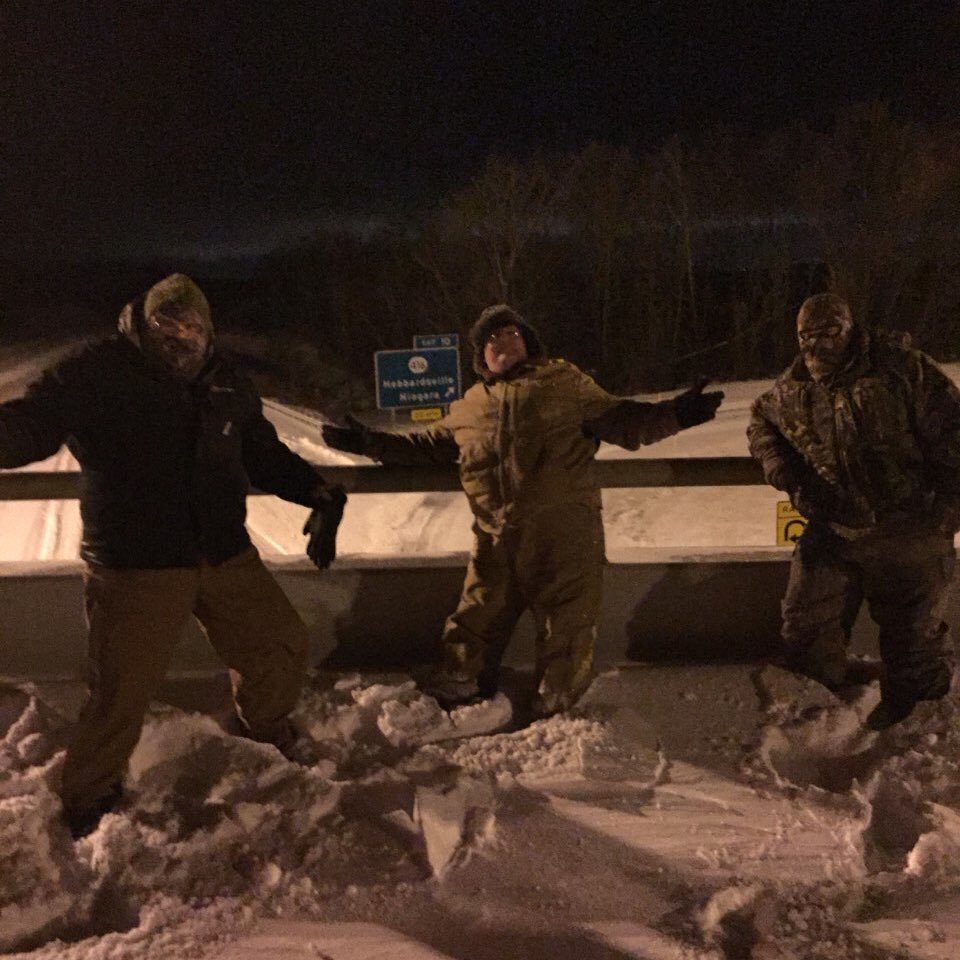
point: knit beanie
(178, 288)
(493, 318)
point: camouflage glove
(693, 406)
(352, 438)
(782, 476)
(321, 526)
(815, 497)
(807, 492)
(806, 503)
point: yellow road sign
(426, 413)
(790, 523)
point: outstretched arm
(35, 426)
(633, 423)
(434, 445)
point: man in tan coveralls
(525, 437)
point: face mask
(178, 337)
(824, 343)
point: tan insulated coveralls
(525, 446)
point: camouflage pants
(552, 565)
(136, 619)
(904, 578)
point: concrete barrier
(379, 613)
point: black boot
(452, 690)
(82, 821)
(888, 712)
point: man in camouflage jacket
(525, 437)
(863, 433)
(169, 437)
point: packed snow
(681, 811)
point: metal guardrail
(679, 472)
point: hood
(492, 319)
(176, 288)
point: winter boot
(860, 672)
(82, 821)
(886, 713)
(452, 690)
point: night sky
(134, 126)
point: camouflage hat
(493, 318)
(825, 306)
(180, 289)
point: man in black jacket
(169, 438)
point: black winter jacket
(166, 465)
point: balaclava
(825, 330)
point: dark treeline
(646, 270)
(649, 270)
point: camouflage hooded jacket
(526, 442)
(879, 442)
(166, 465)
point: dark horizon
(179, 126)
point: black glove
(693, 406)
(351, 438)
(321, 526)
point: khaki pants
(905, 580)
(552, 565)
(137, 617)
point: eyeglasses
(174, 322)
(504, 333)
(820, 333)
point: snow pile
(421, 720)
(915, 792)
(164, 928)
(43, 882)
(552, 749)
(211, 822)
(216, 832)
(902, 789)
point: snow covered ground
(683, 811)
